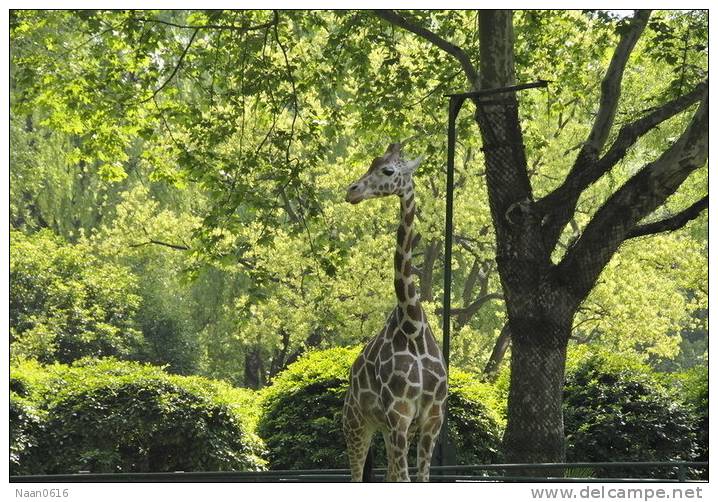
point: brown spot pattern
(399, 342)
(408, 328)
(414, 311)
(399, 289)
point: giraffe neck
(406, 294)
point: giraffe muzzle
(354, 195)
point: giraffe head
(389, 174)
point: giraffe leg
(358, 437)
(397, 446)
(389, 476)
(428, 433)
(358, 444)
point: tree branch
(176, 68)
(427, 272)
(611, 84)
(497, 354)
(580, 179)
(675, 222)
(472, 308)
(630, 133)
(451, 49)
(242, 29)
(160, 243)
(558, 204)
(471, 279)
(290, 75)
(180, 247)
(636, 199)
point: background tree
(65, 304)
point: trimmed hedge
(111, 416)
(301, 415)
(616, 409)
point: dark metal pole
(455, 103)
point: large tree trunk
(534, 431)
(539, 315)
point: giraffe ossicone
(398, 384)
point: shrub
(693, 387)
(26, 418)
(615, 409)
(112, 416)
(301, 412)
(475, 424)
(301, 415)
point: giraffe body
(398, 383)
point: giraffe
(398, 383)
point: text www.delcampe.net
(617, 493)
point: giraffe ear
(393, 150)
(411, 165)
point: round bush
(475, 425)
(301, 412)
(111, 416)
(301, 415)
(616, 410)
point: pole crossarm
(499, 90)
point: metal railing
(554, 472)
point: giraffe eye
(388, 171)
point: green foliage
(301, 415)
(256, 136)
(692, 385)
(111, 416)
(301, 412)
(654, 291)
(615, 409)
(65, 304)
(679, 40)
(475, 424)
(26, 426)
